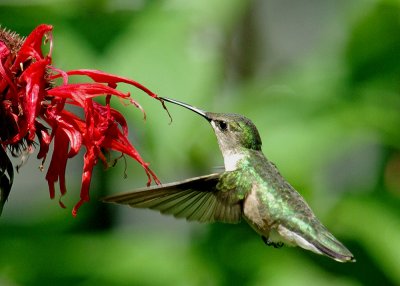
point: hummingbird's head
(233, 131)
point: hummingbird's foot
(271, 243)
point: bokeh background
(320, 79)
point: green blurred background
(320, 79)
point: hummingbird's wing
(196, 199)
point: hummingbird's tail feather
(324, 243)
(333, 248)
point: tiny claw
(270, 243)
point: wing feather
(196, 199)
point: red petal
(99, 76)
(90, 159)
(33, 78)
(58, 163)
(81, 91)
(32, 46)
(67, 122)
(34, 40)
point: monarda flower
(33, 112)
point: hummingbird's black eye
(222, 125)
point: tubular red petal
(58, 163)
(52, 190)
(31, 48)
(90, 159)
(81, 91)
(67, 123)
(61, 73)
(33, 77)
(77, 206)
(100, 76)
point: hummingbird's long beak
(192, 108)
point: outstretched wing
(196, 199)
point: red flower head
(33, 108)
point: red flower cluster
(33, 108)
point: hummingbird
(250, 187)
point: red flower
(33, 108)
